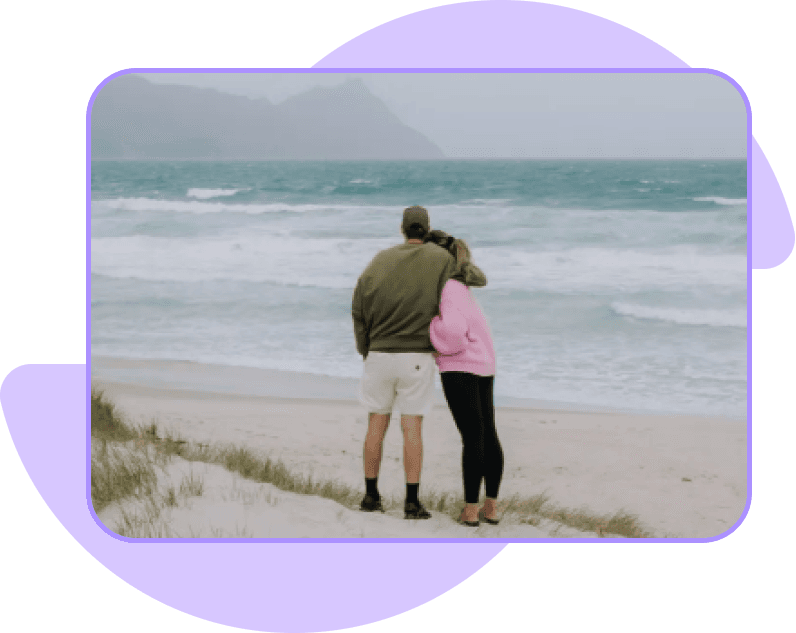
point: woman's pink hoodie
(461, 334)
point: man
(394, 301)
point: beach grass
(119, 471)
(106, 423)
(120, 467)
(125, 459)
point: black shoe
(414, 510)
(371, 504)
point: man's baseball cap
(415, 215)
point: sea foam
(716, 318)
(337, 262)
(201, 207)
(725, 202)
(204, 194)
(600, 270)
(284, 260)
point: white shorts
(404, 381)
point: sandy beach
(683, 476)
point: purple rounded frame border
(528, 37)
(431, 70)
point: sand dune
(233, 507)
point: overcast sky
(536, 115)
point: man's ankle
(370, 487)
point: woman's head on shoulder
(466, 271)
(455, 246)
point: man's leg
(411, 425)
(374, 440)
(377, 393)
(371, 457)
(414, 399)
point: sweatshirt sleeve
(360, 328)
(449, 329)
(447, 273)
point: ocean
(617, 284)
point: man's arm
(360, 328)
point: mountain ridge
(132, 118)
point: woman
(466, 361)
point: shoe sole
(414, 516)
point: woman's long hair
(466, 271)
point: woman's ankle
(490, 507)
(470, 512)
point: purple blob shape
(500, 34)
(771, 237)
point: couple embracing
(413, 308)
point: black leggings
(470, 400)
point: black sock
(411, 493)
(370, 487)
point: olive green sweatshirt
(397, 296)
